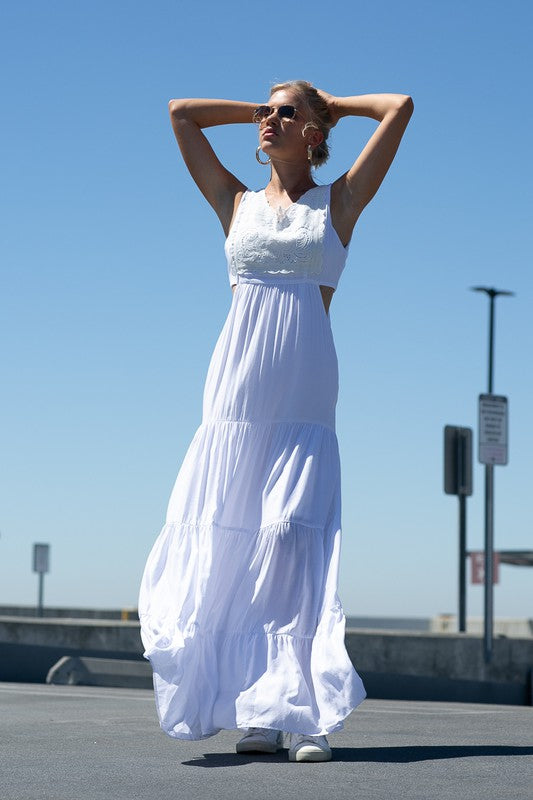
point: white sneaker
(260, 740)
(308, 748)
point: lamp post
(489, 487)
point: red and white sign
(477, 567)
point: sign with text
(493, 429)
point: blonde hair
(317, 110)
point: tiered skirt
(240, 616)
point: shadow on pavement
(404, 755)
(236, 760)
(384, 755)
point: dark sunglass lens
(283, 112)
(286, 112)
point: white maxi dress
(240, 616)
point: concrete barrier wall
(385, 659)
(446, 667)
(29, 648)
(100, 635)
(446, 655)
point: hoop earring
(263, 163)
(309, 153)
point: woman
(239, 610)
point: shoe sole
(305, 754)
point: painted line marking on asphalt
(429, 713)
(71, 692)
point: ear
(316, 138)
(312, 135)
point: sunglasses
(283, 112)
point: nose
(273, 113)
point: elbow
(177, 108)
(400, 106)
(406, 104)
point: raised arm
(219, 186)
(354, 190)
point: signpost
(493, 451)
(41, 564)
(458, 480)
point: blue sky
(114, 284)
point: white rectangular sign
(493, 429)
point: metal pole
(461, 480)
(489, 511)
(492, 293)
(41, 588)
(489, 550)
(462, 563)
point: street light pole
(489, 490)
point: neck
(290, 178)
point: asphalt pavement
(90, 743)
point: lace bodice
(298, 243)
